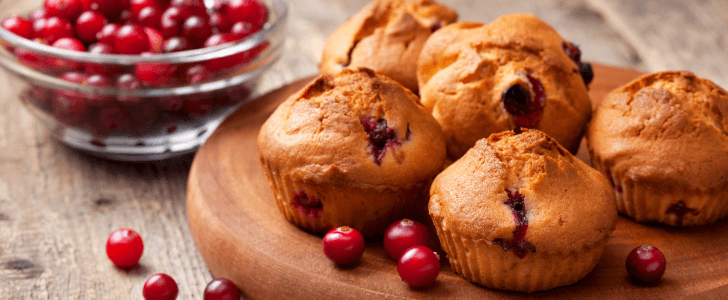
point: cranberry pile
(405, 241)
(135, 27)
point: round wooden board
(242, 236)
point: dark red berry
(525, 102)
(516, 202)
(150, 16)
(88, 24)
(171, 103)
(381, 137)
(160, 287)
(156, 40)
(67, 9)
(242, 30)
(646, 264)
(175, 44)
(587, 73)
(109, 8)
(107, 33)
(110, 118)
(128, 83)
(124, 248)
(197, 106)
(251, 11)
(131, 39)
(99, 81)
(19, 26)
(100, 68)
(418, 266)
(125, 17)
(197, 74)
(154, 73)
(196, 30)
(404, 234)
(195, 7)
(54, 28)
(219, 22)
(136, 6)
(32, 59)
(221, 289)
(343, 245)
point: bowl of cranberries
(137, 79)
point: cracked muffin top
(526, 192)
(387, 37)
(666, 128)
(356, 128)
(515, 72)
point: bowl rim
(182, 57)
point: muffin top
(386, 36)
(665, 128)
(515, 72)
(527, 179)
(356, 128)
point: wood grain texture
(57, 206)
(242, 235)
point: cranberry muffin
(518, 212)
(356, 149)
(386, 36)
(513, 73)
(662, 141)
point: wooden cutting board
(243, 237)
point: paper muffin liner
(369, 210)
(670, 205)
(486, 263)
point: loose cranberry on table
(419, 266)
(221, 289)
(646, 264)
(343, 245)
(404, 234)
(160, 287)
(124, 248)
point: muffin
(386, 36)
(662, 141)
(516, 72)
(356, 149)
(518, 212)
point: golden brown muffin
(386, 36)
(661, 139)
(357, 149)
(515, 72)
(525, 194)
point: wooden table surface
(58, 206)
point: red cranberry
(251, 11)
(31, 59)
(646, 264)
(343, 245)
(227, 62)
(196, 30)
(154, 73)
(219, 22)
(160, 287)
(68, 43)
(38, 14)
(242, 30)
(125, 17)
(197, 106)
(99, 81)
(150, 16)
(54, 28)
(175, 44)
(587, 73)
(381, 137)
(101, 68)
(306, 205)
(171, 103)
(525, 109)
(175, 16)
(197, 74)
(67, 9)
(19, 26)
(110, 118)
(107, 33)
(404, 234)
(88, 25)
(136, 6)
(124, 248)
(195, 7)
(419, 266)
(131, 39)
(156, 40)
(516, 202)
(127, 82)
(221, 289)
(109, 8)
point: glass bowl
(127, 120)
